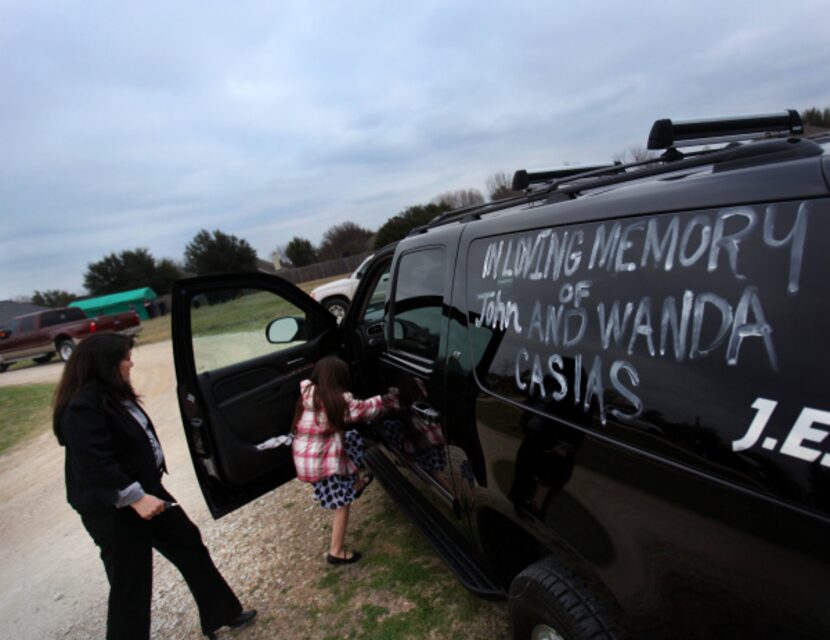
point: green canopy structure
(117, 302)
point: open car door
(241, 345)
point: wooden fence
(320, 270)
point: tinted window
(376, 304)
(419, 293)
(61, 316)
(229, 327)
(27, 324)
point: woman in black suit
(114, 465)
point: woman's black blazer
(106, 451)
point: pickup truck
(336, 296)
(42, 334)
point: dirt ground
(52, 583)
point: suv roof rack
(522, 179)
(667, 133)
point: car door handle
(425, 412)
(291, 363)
(374, 329)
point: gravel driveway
(52, 583)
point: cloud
(138, 125)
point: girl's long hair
(94, 362)
(330, 378)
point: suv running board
(466, 564)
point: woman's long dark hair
(330, 378)
(95, 361)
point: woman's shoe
(242, 619)
(356, 555)
(367, 480)
(239, 621)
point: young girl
(327, 453)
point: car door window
(418, 303)
(376, 302)
(231, 326)
(27, 324)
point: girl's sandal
(365, 482)
(346, 559)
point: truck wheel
(44, 359)
(548, 601)
(337, 307)
(65, 349)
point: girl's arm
(363, 410)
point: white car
(336, 296)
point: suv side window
(418, 303)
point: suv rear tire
(337, 306)
(65, 349)
(548, 601)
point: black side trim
(467, 565)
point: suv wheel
(337, 307)
(548, 601)
(65, 349)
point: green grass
(246, 313)
(400, 566)
(24, 411)
(250, 312)
(154, 330)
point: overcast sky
(126, 125)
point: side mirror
(283, 330)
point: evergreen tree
(398, 226)
(131, 269)
(218, 253)
(345, 239)
(54, 298)
(300, 251)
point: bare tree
(634, 153)
(500, 186)
(459, 199)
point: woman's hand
(148, 507)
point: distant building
(263, 266)
(279, 260)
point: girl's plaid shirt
(318, 452)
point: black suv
(614, 403)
